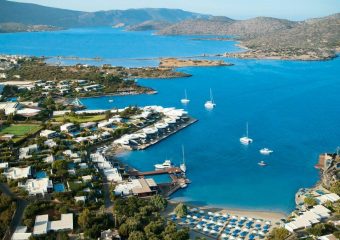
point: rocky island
(175, 62)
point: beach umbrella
(220, 223)
(224, 235)
(242, 218)
(194, 209)
(199, 226)
(243, 234)
(261, 233)
(212, 221)
(237, 228)
(268, 223)
(245, 230)
(201, 211)
(225, 215)
(217, 214)
(194, 217)
(205, 229)
(212, 231)
(254, 231)
(188, 216)
(231, 238)
(229, 226)
(210, 213)
(250, 219)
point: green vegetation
(20, 131)
(321, 229)
(7, 208)
(79, 118)
(141, 219)
(181, 210)
(335, 187)
(278, 234)
(310, 201)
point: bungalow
(21, 233)
(49, 159)
(38, 186)
(43, 226)
(6, 137)
(26, 151)
(18, 173)
(80, 198)
(330, 197)
(88, 125)
(48, 133)
(50, 143)
(10, 107)
(4, 165)
(309, 218)
(94, 87)
(68, 127)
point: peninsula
(176, 62)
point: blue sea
(292, 107)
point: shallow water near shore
(292, 107)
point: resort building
(48, 134)
(88, 125)
(4, 165)
(308, 218)
(21, 233)
(80, 198)
(38, 186)
(331, 197)
(138, 187)
(43, 226)
(18, 173)
(27, 151)
(112, 174)
(68, 127)
(50, 143)
(328, 237)
(10, 107)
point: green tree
(181, 210)
(159, 202)
(317, 229)
(84, 217)
(137, 235)
(278, 234)
(124, 230)
(310, 201)
(60, 166)
(335, 188)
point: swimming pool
(40, 174)
(59, 187)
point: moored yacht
(166, 164)
(210, 104)
(185, 100)
(246, 140)
(266, 151)
(111, 100)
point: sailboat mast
(183, 154)
(247, 129)
(185, 93)
(211, 96)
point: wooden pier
(170, 171)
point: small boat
(246, 140)
(165, 165)
(110, 100)
(183, 185)
(266, 151)
(210, 104)
(183, 167)
(262, 164)
(185, 100)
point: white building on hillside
(17, 173)
(38, 186)
(43, 226)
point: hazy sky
(292, 9)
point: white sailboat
(210, 104)
(183, 167)
(111, 100)
(262, 163)
(185, 100)
(246, 140)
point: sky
(238, 9)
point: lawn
(80, 119)
(20, 131)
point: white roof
(333, 197)
(42, 225)
(17, 173)
(37, 186)
(21, 233)
(4, 165)
(46, 132)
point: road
(20, 208)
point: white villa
(308, 218)
(43, 226)
(38, 186)
(26, 151)
(48, 133)
(17, 173)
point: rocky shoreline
(176, 62)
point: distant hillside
(149, 25)
(226, 26)
(32, 14)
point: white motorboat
(266, 151)
(210, 104)
(111, 100)
(185, 100)
(246, 140)
(183, 167)
(262, 164)
(166, 164)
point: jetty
(172, 170)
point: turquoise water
(292, 107)
(40, 174)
